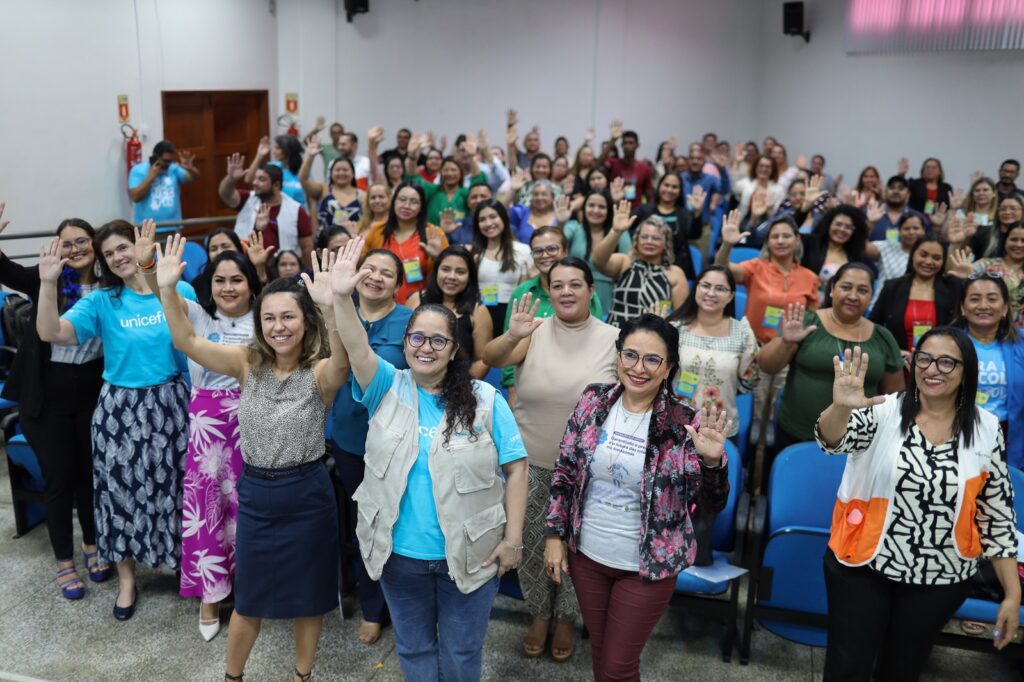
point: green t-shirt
(532, 286)
(438, 201)
(811, 373)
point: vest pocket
(483, 532)
(380, 450)
(366, 526)
(475, 466)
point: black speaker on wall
(793, 20)
(354, 7)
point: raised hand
(902, 166)
(588, 136)
(956, 200)
(955, 232)
(759, 202)
(375, 135)
(731, 234)
(961, 264)
(524, 318)
(695, 199)
(236, 167)
(875, 212)
(617, 188)
(616, 129)
(170, 265)
(263, 149)
(433, 247)
(512, 137)
(319, 287)
(447, 222)
(415, 143)
(518, 180)
(257, 252)
(262, 218)
(482, 143)
(145, 242)
(941, 211)
(346, 274)
(813, 193)
(793, 329)
(511, 118)
(719, 158)
(970, 226)
(442, 142)
(187, 160)
(313, 147)
(50, 262)
(976, 175)
(563, 209)
(739, 154)
(709, 435)
(801, 161)
(660, 308)
(622, 219)
(3, 223)
(848, 385)
(469, 147)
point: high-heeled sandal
(73, 587)
(98, 572)
(303, 677)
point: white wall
(963, 107)
(453, 66)
(65, 62)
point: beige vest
(469, 489)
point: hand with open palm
(319, 287)
(793, 329)
(848, 385)
(524, 318)
(345, 273)
(709, 435)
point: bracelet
(516, 548)
(147, 268)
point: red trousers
(620, 609)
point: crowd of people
(513, 360)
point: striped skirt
(210, 502)
(139, 439)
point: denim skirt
(286, 551)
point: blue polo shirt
(349, 418)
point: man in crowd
(694, 176)
(1007, 185)
(897, 196)
(287, 223)
(828, 183)
(636, 175)
(154, 186)
(348, 147)
(401, 148)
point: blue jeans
(439, 631)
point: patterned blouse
(282, 421)
(919, 547)
(673, 481)
(640, 286)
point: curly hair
(457, 398)
(668, 256)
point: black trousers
(62, 440)
(371, 596)
(882, 627)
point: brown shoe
(563, 643)
(535, 639)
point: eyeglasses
(550, 249)
(629, 359)
(986, 275)
(79, 243)
(945, 363)
(650, 238)
(717, 288)
(408, 201)
(416, 340)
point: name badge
(413, 272)
(981, 398)
(687, 384)
(892, 234)
(489, 292)
(772, 317)
(630, 192)
(919, 331)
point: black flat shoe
(126, 612)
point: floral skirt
(210, 502)
(139, 438)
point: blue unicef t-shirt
(417, 533)
(137, 346)
(290, 184)
(991, 378)
(164, 199)
(349, 418)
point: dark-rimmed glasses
(945, 363)
(416, 340)
(629, 359)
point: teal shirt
(604, 287)
(417, 532)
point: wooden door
(213, 125)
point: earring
(97, 271)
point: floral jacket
(674, 481)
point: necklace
(841, 343)
(626, 417)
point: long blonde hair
(366, 219)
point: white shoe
(208, 628)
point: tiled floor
(42, 636)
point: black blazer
(919, 193)
(891, 305)
(25, 383)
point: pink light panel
(895, 25)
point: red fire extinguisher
(132, 146)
